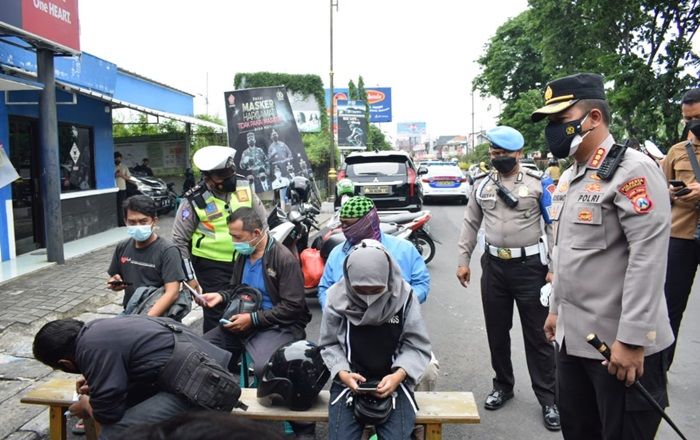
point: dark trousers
(502, 283)
(683, 259)
(213, 276)
(121, 196)
(594, 405)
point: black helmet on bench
(293, 376)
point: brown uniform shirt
(676, 166)
(504, 227)
(609, 257)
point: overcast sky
(424, 50)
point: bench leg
(433, 431)
(57, 423)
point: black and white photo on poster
(352, 124)
(262, 129)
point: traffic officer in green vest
(200, 230)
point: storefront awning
(11, 83)
(117, 103)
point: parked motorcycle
(414, 228)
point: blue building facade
(88, 88)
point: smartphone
(223, 321)
(364, 389)
(198, 296)
(118, 283)
(677, 183)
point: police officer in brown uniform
(512, 203)
(612, 222)
(684, 248)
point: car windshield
(376, 169)
(444, 170)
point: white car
(446, 181)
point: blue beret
(506, 138)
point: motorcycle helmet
(299, 188)
(345, 187)
(330, 243)
(293, 376)
(244, 299)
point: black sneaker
(497, 398)
(550, 413)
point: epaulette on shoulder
(195, 191)
(535, 174)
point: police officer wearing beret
(512, 203)
(200, 231)
(612, 220)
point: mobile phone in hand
(223, 321)
(198, 296)
(677, 183)
(118, 283)
(366, 389)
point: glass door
(26, 203)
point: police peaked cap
(214, 157)
(562, 93)
(506, 138)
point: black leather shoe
(497, 398)
(551, 417)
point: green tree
(642, 47)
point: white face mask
(576, 141)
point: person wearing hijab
(372, 330)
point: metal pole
(332, 172)
(188, 144)
(49, 181)
(473, 135)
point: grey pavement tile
(14, 414)
(10, 388)
(110, 309)
(39, 425)
(19, 367)
(27, 435)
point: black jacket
(285, 285)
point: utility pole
(332, 175)
(49, 165)
(473, 135)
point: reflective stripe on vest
(211, 239)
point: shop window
(75, 149)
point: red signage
(52, 22)
(375, 96)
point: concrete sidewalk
(75, 289)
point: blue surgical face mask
(245, 247)
(140, 232)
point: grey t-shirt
(155, 265)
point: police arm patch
(636, 191)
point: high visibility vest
(211, 239)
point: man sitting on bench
(269, 267)
(120, 359)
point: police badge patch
(636, 191)
(185, 213)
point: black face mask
(504, 164)
(228, 185)
(692, 126)
(560, 135)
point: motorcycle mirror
(653, 150)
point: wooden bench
(436, 408)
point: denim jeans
(343, 426)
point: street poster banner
(378, 98)
(8, 174)
(352, 124)
(306, 112)
(262, 129)
(411, 129)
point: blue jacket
(406, 255)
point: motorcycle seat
(401, 218)
(389, 228)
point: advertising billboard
(306, 112)
(52, 22)
(352, 124)
(262, 129)
(378, 98)
(411, 129)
